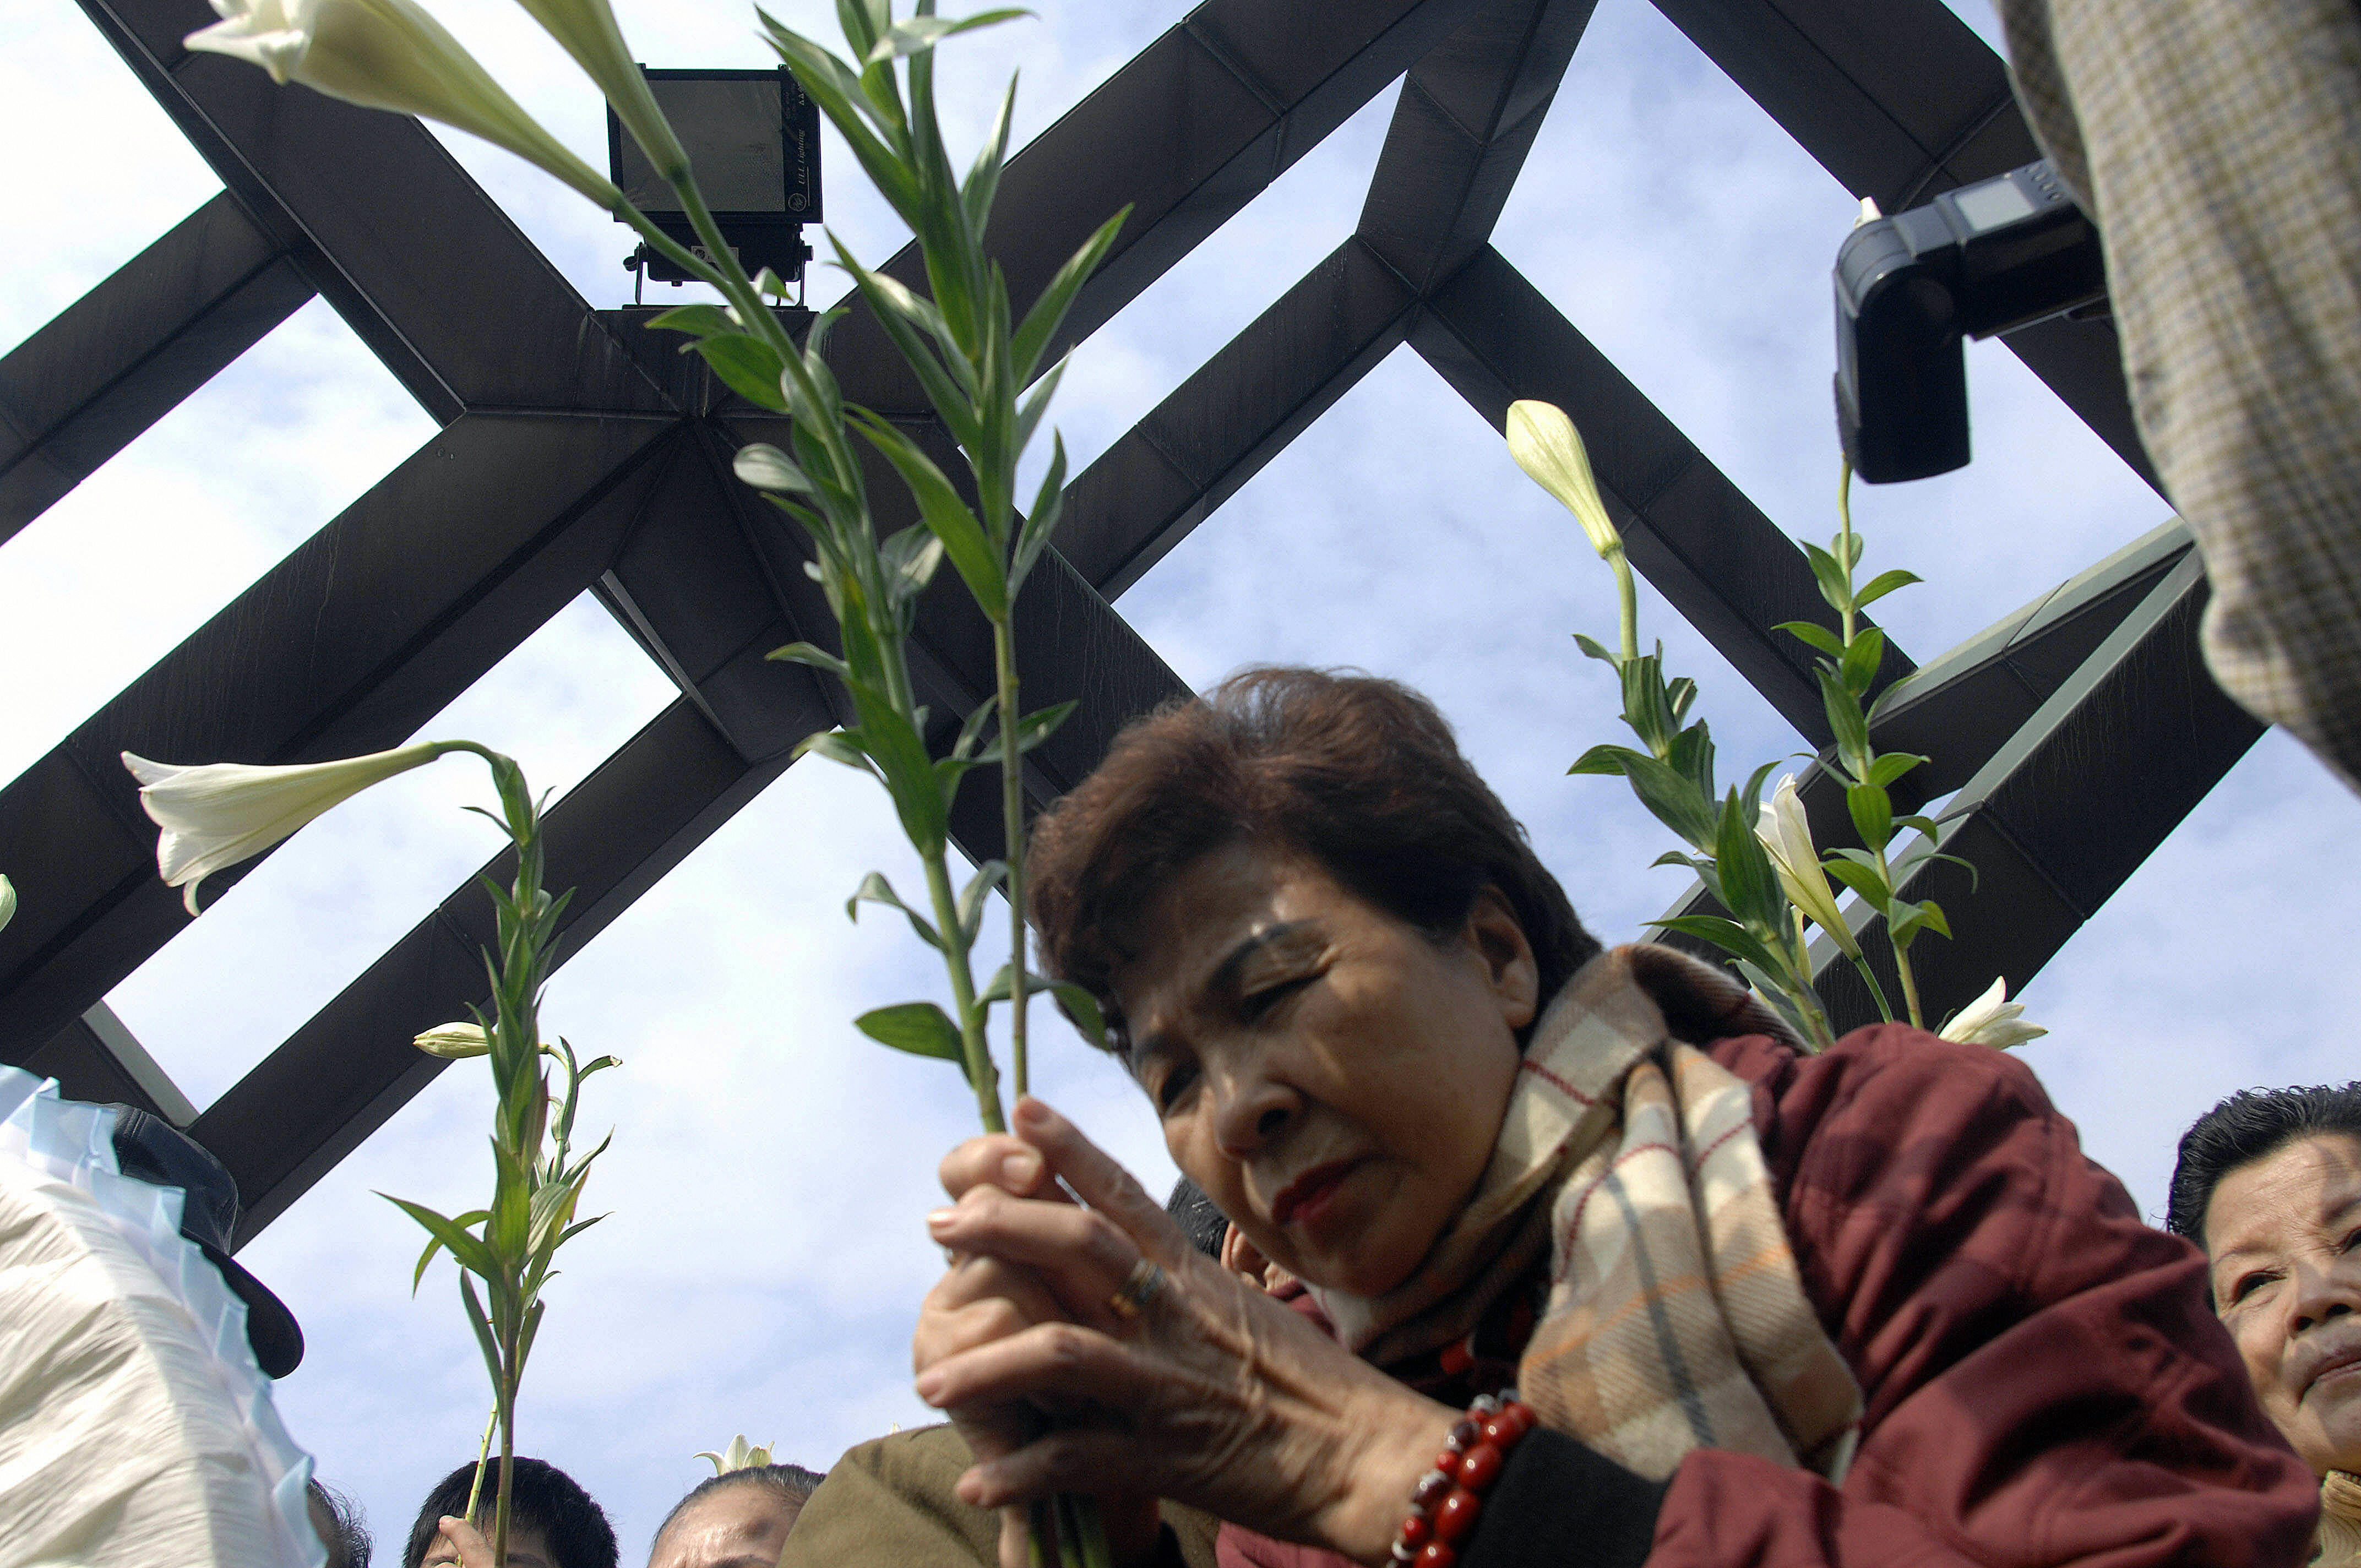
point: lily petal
(217, 813)
(1786, 837)
(1994, 1020)
(390, 54)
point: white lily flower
(740, 1456)
(1547, 446)
(221, 813)
(1992, 1020)
(1786, 835)
(390, 54)
(454, 1042)
(7, 900)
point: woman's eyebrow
(1225, 977)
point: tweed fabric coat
(2217, 144)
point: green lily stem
(483, 1460)
(1012, 822)
(1627, 594)
(508, 1451)
(1844, 536)
(1869, 977)
(980, 1071)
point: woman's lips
(1307, 1196)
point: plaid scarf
(1676, 1319)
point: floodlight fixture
(753, 137)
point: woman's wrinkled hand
(980, 1300)
(1211, 1393)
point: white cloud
(766, 1254)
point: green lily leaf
(1048, 504)
(1042, 322)
(1890, 766)
(915, 33)
(1884, 583)
(1832, 576)
(1597, 650)
(1081, 1009)
(1845, 720)
(1723, 933)
(766, 467)
(749, 366)
(1864, 880)
(704, 321)
(1603, 760)
(1677, 803)
(837, 746)
(1873, 814)
(1858, 666)
(920, 1028)
(876, 889)
(989, 875)
(939, 505)
(471, 1252)
(1750, 887)
(1814, 635)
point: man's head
(737, 1520)
(552, 1524)
(2269, 1184)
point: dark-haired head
(736, 1517)
(1361, 775)
(339, 1520)
(543, 1500)
(2251, 1125)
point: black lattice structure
(577, 453)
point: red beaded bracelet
(1444, 1503)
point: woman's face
(2283, 1235)
(1333, 1078)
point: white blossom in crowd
(1992, 1019)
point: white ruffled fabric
(137, 1430)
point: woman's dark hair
(792, 1482)
(338, 1519)
(1360, 774)
(542, 1497)
(2252, 1125)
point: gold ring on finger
(1138, 1288)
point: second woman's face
(1331, 1077)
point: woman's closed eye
(2246, 1285)
(1257, 1005)
(1174, 1081)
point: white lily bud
(1786, 835)
(7, 900)
(1994, 1020)
(454, 1042)
(221, 813)
(390, 54)
(1547, 446)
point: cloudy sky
(764, 1259)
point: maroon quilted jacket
(2044, 1381)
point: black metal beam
(1722, 563)
(1901, 100)
(123, 355)
(348, 645)
(313, 1100)
(2058, 818)
(1961, 709)
(95, 1059)
(1467, 119)
(1462, 123)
